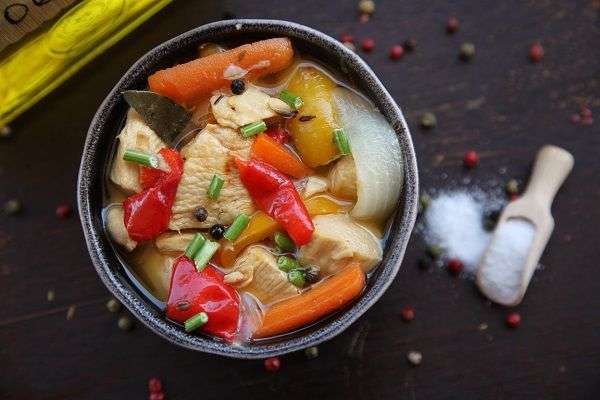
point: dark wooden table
(500, 104)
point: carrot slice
(270, 151)
(321, 300)
(190, 82)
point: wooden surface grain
(500, 104)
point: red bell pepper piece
(193, 292)
(275, 194)
(281, 135)
(147, 214)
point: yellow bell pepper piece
(260, 227)
(319, 205)
(314, 138)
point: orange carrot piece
(191, 82)
(270, 151)
(314, 304)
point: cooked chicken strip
(135, 135)
(115, 225)
(211, 152)
(173, 242)
(343, 178)
(336, 241)
(256, 272)
(250, 106)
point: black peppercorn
(311, 274)
(201, 214)
(410, 44)
(217, 231)
(238, 86)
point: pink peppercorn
(368, 44)
(471, 159)
(455, 266)
(452, 25)
(156, 396)
(585, 112)
(364, 18)
(272, 364)
(407, 313)
(347, 38)
(154, 385)
(587, 121)
(575, 119)
(64, 211)
(536, 52)
(513, 320)
(396, 52)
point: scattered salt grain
(502, 267)
(453, 221)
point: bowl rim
(397, 244)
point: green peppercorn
(512, 186)
(424, 201)
(467, 51)
(311, 352)
(13, 207)
(434, 251)
(113, 305)
(125, 323)
(428, 120)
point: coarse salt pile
(453, 221)
(501, 269)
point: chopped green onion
(286, 264)
(235, 230)
(253, 128)
(195, 322)
(341, 140)
(140, 157)
(195, 245)
(206, 252)
(296, 278)
(293, 100)
(284, 242)
(216, 184)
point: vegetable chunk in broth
(270, 177)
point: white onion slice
(376, 152)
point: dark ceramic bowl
(106, 124)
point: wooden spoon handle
(552, 166)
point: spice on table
(364, 18)
(13, 207)
(424, 201)
(455, 266)
(471, 159)
(154, 385)
(513, 320)
(238, 86)
(113, 305)
(452, 25)
(350, 46)
(536, 52)
(50, 295)
(396, 52)
(587, 121)
(585, 112)
(125, 323)
(346, 38)
(311, 352)
(410, 45)
(466, 51)
(64, 211)
(6, 132)
(414, 357)
(70, 313)
(434, 251)
(201, 214)
(428, 120)
(512, 186)
(156, 396)
(575, 119)
(407, 314)
(272, 364)
(366, 6)
(425, 262)
(368, 44)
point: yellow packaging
(51, 56)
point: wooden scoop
(552, 166)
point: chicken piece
(135, 135)
(173, 242)
(153, 268)
(115, 225)
(313, 185)
(250, 106)
(211, 152)
(343, 178)
(256, 272)
(336, 241)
